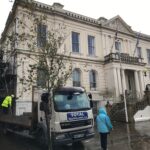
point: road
(123, 137)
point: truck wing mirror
(90, 96)
(41, 106)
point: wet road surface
(123, 137)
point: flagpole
(123, 90)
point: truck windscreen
(71, 101)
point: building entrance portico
(128, 80)
(133, 83)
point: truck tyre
(4, 128)
(41, 135)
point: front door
(130, 81)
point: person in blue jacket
(104, 126)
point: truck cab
(72, 117)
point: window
(148, 56)
(118, 46)
(41, 35)
(92, 75)
(139, 55)
(75, 42)
(41, 78)
(76, 77)
(91, 48)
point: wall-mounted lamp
(145, 73)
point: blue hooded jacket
(103, 122)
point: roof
(57, 9)
(70, 89)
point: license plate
(76, 136)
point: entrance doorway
(130, 81)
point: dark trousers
(103, 139)
(5, 110)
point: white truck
(71, 118)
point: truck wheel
(4, 129)
(41, 136)
(77, 144)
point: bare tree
(49, 63)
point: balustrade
(123, 58)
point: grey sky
(134, 12)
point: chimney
(58, 5)
(102, 19)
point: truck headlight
(60, 136)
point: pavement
(123, 137)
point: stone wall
(118, 112)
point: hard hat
(12, 95)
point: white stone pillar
(104, 45)
(123, 80)
(141, 82)
(137, 86)
(116, 82)
(109, 43)
(119, 81)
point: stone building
(108, 56)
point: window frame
(41, 78)
(41, 35)
(118, 46)
(93, 79)
(139, 52)
(75, 42)
(91, 45)
(76, 77)
(148, 56)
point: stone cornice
(66, 14)
(58, 10)
(29, 52)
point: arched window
(41, 78)
(76, 77)
(92, 77)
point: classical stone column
(137, 87)
(141, 82)
(116, 82)
(105, 45)
(119, 81)
(108, 43)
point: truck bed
(23, 120)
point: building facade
(110, 59)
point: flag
(137, 43)
(115, 38)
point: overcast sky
(134, 12)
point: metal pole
(123, 90)
(125, 106)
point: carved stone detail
(118, 25)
